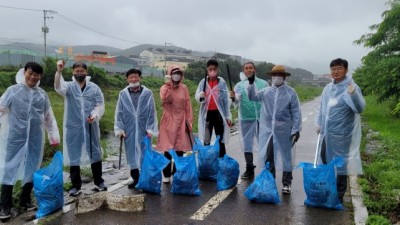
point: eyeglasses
(337, 68)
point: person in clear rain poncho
(214, 113)
(177, 118)
(25, 112)
(83, 109)
(135, 118)
(338, 123)
(249, 115)
(280, 123)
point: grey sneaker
(5, 213)
(74, 192)
(100, 187)
(28, 206)
(286, 189)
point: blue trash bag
(48, 186)
(185, 180)
(263, 189)
(228, 173)
(208, 159)
(320, 184)
(150, 173)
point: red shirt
(212, 105)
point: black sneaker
(5, 213)
(74, 192)
(249, 173)
(28, 206)
(100, 187)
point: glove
(318, 130)
(295, 137)
(167, 79)
(251, 79)
(232, 94)
(351, 89)
(121, 135)
(60, 65)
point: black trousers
(215, 121)
(168, 171)
(341, 180)
(75, 173)
(6, 195)
(287, 177)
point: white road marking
(310, 113)
(304, 119)
(213, 203)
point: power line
(96, 31)
(18, 8)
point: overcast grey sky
(299, 33)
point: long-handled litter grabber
(120, 152)
(230, 80)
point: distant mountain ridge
(87, 49)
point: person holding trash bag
(177, 117)
(280, 123)
(249, 116)
(83, 109)
(135, 118)
(25, 112)
(338, 122)
(214, 113)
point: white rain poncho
(136, 123)
(340, 124)
(25, 113)
(78, 106)
(222, 100)
(249, 113)
(280, 118)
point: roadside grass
(381, 180)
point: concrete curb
(360, 211)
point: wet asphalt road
(168, 208)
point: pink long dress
(177, 109)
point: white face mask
(277, 81)
(176, 77)
(134, 85)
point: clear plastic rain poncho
(78, 107)
(249, 113)
(136, 123)
(24, 115)
(280, 118)
(221, 97)
(340, 124)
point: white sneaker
(286, 189)
(166, 180)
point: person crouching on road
(214, 113)
(25, 112)
(339, 123)
(83, 109)
(135, 118)
(280, 123)
(249, 116)
(177, 117)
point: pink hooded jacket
(177, 110)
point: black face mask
(79, 77)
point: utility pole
(45, 29)
(165, 56)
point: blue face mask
(80, 77)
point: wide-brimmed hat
(278, 69)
